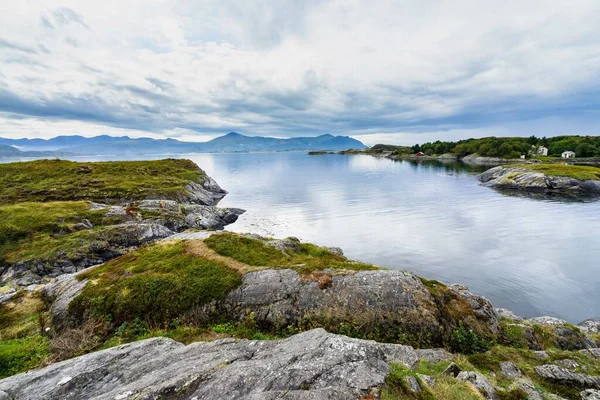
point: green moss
(255, 252)
(59, 180)
(156, 284)
(20, 355)
(581, 172)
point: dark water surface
(535, 257)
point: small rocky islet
(208, 314)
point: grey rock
(563, 376)
(60, 293)
(208, 194)
(550, 321)
(285, 245)
(571, 339)
(507, 314)
(428, 380)
(590, 394)
(482, 308)
(336, 250)
(135, 234)
(453, 370)
(528, 387)
(169, 205)
(510, 370)
(480, 382)
(434, 355)
(385, 298)
(83, 225)
(399, 354)
(8, 295)
(552, 396)
(591, 325)
(312, 365)
(524, 179)
(594, 352)
(566, 363)
(207, 217)
(540, 355)
(412, 384)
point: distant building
(542, 151)
(568, 154)
(522, 156)
(420, 154)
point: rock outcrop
(389, 301)
(563, 376)
(135, 224)
(311, 365)
(479, 382)
(393, 302)
(519, 178)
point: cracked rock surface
(311, 365)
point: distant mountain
(13, 152)
(232, 142)
(8, 151)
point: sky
(402, 71)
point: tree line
(505, 147)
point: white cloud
(288, 68)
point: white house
(568, 154)
(542, 151)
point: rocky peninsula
(219, 315)
(570, 180)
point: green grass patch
(59, 180)
(255, 252)
(20, 355)
(581, 172)
(43, 230)
(156, 284)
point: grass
(156, 284)
(445, 386)
(306, 257)
(21, 345)
(19, 355)
(59, 180)
(580, 172)
(42, 230)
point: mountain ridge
(230, 142)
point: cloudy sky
(400, 71)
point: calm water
(536, 257)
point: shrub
(467, 341)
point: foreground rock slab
(563, 376)
(313, 364)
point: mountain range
(231, 142)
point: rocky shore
(524, 179)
